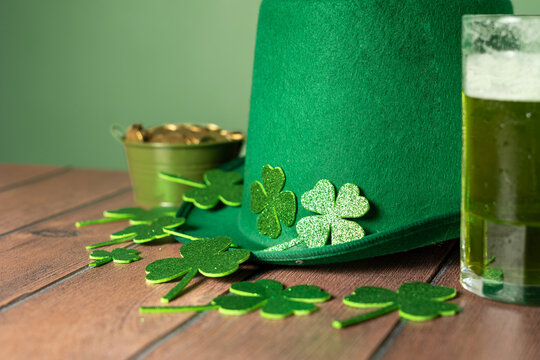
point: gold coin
(182, 134)
(135, 133)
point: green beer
(501, 197)
(500, 208)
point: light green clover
(314, 231)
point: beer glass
(500, 208)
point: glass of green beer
(500, 208)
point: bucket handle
(117, 133)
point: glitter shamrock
(208, 256)
(136, 215)
(143, 233)
(267, 295)
(272, 204)
(415, 301)
(122, 256)
(218, 186)
(314, 231)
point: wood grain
(46, 252)
(95, 314)
(24, 205)
(12, 174)
(250, 336)
(484, 329)
(88, 313)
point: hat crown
(364, 92)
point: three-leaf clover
(267, 295)
(314, 231)
(272, 204)
(218, 186)
(122, 256)
(136, 215)
(415, 301)
(208, 256)
(143, 233)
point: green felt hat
(354, 91)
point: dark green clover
(143, 233)
(121, 256)
(415, 301)
(272, 204)
(267, 295)
(208, 256)
(493, 278)
(218, 186)
(136, 215)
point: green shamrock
(314, 231)
(268, 295)
(272, 204)
(143, 233)
(218, 186)
(122, 256)
(208, 256)
(416, 301)
(136, 215)
(493, 278)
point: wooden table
(52, 305)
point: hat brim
(223, 221)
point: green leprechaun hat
(354, 139)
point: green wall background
(69, 69)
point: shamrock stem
(171, 295)
(100, 262)
(96, 221)
(175, 309)
(181, 180)
(105, 243)
(364, 317)
(285, 245)
(176, 233)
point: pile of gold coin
(181, 134)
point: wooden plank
(483, 330)
(24, 205)
(95, 314)
(311, 337)
(12, 174)
(53, 249)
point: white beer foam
(506, 76)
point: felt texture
(136, 215)
(272, 204)
(143, 233)
(218, 186)
(364, 92)
(267, 295)
(121, 256)
(206, 256)
(314, 231)
(416, 301)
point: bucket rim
(150, 145)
